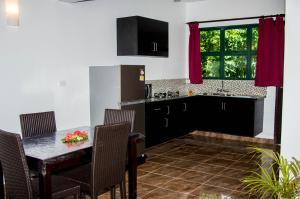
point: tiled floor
(195, 167)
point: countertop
(254, 97)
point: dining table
(48, 155)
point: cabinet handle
(184, 109)
(224, 106)
(156, 46)
(166, 122)
(157, 109)
(153, 46)
(168, 110)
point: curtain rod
(236, 19)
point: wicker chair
(18, 184)
(35, 124)
(108, 162)
(113, 116)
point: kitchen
(46, 59)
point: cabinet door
(161, 38)
(146, 37)
(207, 114)
(239, 116)
(182, 116)
(153, 37)
(157, 123)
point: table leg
(45, 182)
(1, 182)
(132, 168)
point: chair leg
(113, 192)
(82, 195)
(123, 189)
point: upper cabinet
(142, 36)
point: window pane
(211, 66)
(253, 66)
(235, 66)
(254, 38)
(210, 41)
(236, 39)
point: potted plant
(277, 177)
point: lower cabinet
(166, 120)
(172, 118)
(237, 116)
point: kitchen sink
(219, 94)
(228, 95)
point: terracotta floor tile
(219, 162)
(164, 194)
(240, 150)
(211, 192)
(154, 179)
(175, 154)
(206, 168)
(197, 177)
(141, 173)
(143, 189)
(161, 160)
(149, 166)
(181, 186)
(185, 164)
(230, 156)
(188, 149)
(197, 157)
(225, 182)
(170, 171)
(193, 167)
(235, 173)
(247, 166)
(208, 152)
(163, 148)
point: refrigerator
(111, 87)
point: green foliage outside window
(229, 52)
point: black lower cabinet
(157, 123)
(166, 120)
(206, 114)
(172, 118)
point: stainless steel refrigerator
(112, 85)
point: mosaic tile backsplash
(235, 87)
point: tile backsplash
(236, 87)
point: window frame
(249, 53)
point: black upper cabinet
(142, 36)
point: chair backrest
(14, 165)
(109, 156)
(35, 124)
(113, 116)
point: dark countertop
(254, 97)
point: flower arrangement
(75, 137)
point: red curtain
(195, 66)
(270, 53)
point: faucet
(222, 89)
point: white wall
(44, 63)
(223, 9)
(290, 146)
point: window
(229, 52)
